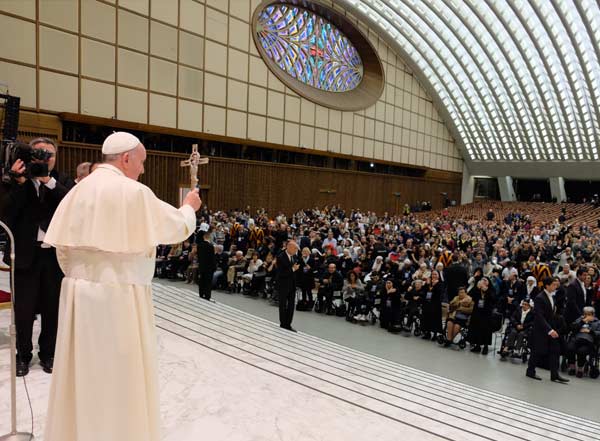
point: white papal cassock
(104, 385)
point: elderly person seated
(423, 273)
(192, 270)
(355, 296)
(222, 260)
(236, 263)
(520, 324)
(331, 282)
(254, 267)
(460, 309)
(584, 340)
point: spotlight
(372, 165)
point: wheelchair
(519, 350)
(411, 320)
(330, 303)
(462, 336)
(238, 284)
(253, 286)
(591, 367)
(361, 307)
(269, 286)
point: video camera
(35, 160)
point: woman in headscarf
(480, 327)
(434, 292)
(377, 265)
(531, 288)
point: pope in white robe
(105, 382)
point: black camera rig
(11, 150)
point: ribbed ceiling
(520, 80)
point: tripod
(13, 435)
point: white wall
(192, 65)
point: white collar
(111, 168)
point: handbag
(461, 316)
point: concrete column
(468, 186)
(507, 191)
(557, 189)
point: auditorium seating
(538, 212)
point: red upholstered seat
(4, 297)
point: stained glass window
(309, 48)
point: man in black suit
(287, 265)
(455, 276)
(576, 297)
(207, 261)
(545, 338)
(28, 207)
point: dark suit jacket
(207, 259)
(306, 279)
(515, 319)
(576, 301)
(286, 276)
(544, 322)
(455, 276)
(25, 212)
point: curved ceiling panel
(519, 80)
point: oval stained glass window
(309, 48)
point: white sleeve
(172, 225)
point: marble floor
(226, 374)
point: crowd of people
(443, 278)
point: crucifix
(193, 162)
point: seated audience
(584, 340)
(413, 264)
(460, 310)
(520, 324)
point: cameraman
(29, 204)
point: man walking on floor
(287, 265)
(546, 341)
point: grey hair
(115, 156)
(219, 248)
(589, 310)
(83, 168)
(42, 140)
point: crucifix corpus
(193, 162)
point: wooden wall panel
(276, 187)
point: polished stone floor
(229, 374)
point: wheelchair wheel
(462, 344)
(417, 331)
(441, 339)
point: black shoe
(476, 349)
(533, 376)
(434, 338)
(287, 328)
(447, 344)
(561, 380)
(47, 365)
(485, 350)
(22, 368)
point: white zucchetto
(119, 142)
